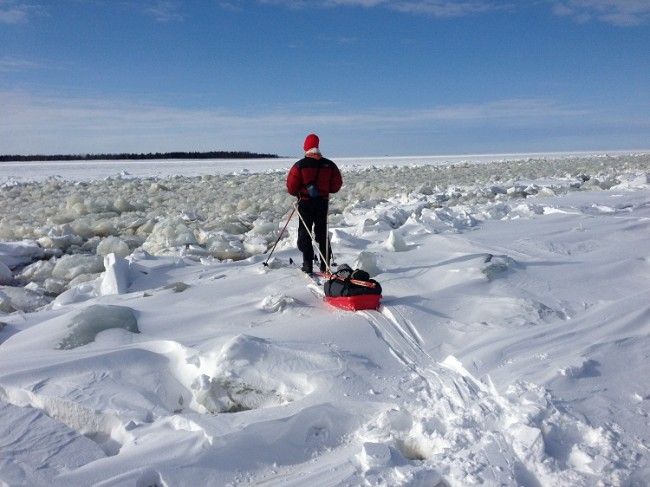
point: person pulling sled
(312, 179)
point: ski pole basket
(352, 290)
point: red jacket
(322, 172)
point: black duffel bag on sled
(352, 289)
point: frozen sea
(87, 170)
(143, 342)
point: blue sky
(372, 77)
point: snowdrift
(510, 347)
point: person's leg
(304, 240)
(320, 231)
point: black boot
(307, 267)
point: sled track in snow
(461, 424)
(400, 336)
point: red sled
(355, 303)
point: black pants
(314, 214)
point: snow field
(510, 348)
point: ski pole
(327, 240)
(329, 252)
(266, 263)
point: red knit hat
(311, 142)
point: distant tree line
(150, 155)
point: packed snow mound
(252, 373)
(84, 326)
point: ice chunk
(77, 294)
(497, 266)
(70, 266)
(54, 286)
(91, 244)
(85, 325)
(82, 227)
(60, 237)
(6, 277)
(5, 304)
(113, 245)
(81, 278)
(167, 234)
(223, 246)
(190, 216)
(367, 261)
(14, 254)
(39, 271)
(263, 227)
(103, 228)
(255, 245)
(22, 299)
(374, 455)
(177, 287)
(395, 242)
(116, 276)
(122, 205)
(276, 302)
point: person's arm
(294, 181)
(336, 180)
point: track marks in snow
(473, 434)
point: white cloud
(164, 10)
(15, 12)
(30, 123)
(12, 65)
(439, 8)
(435, 8)
(617, 12)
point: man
(311, 180)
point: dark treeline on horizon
(150, 155)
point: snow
(510, 349)
(84, 326)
